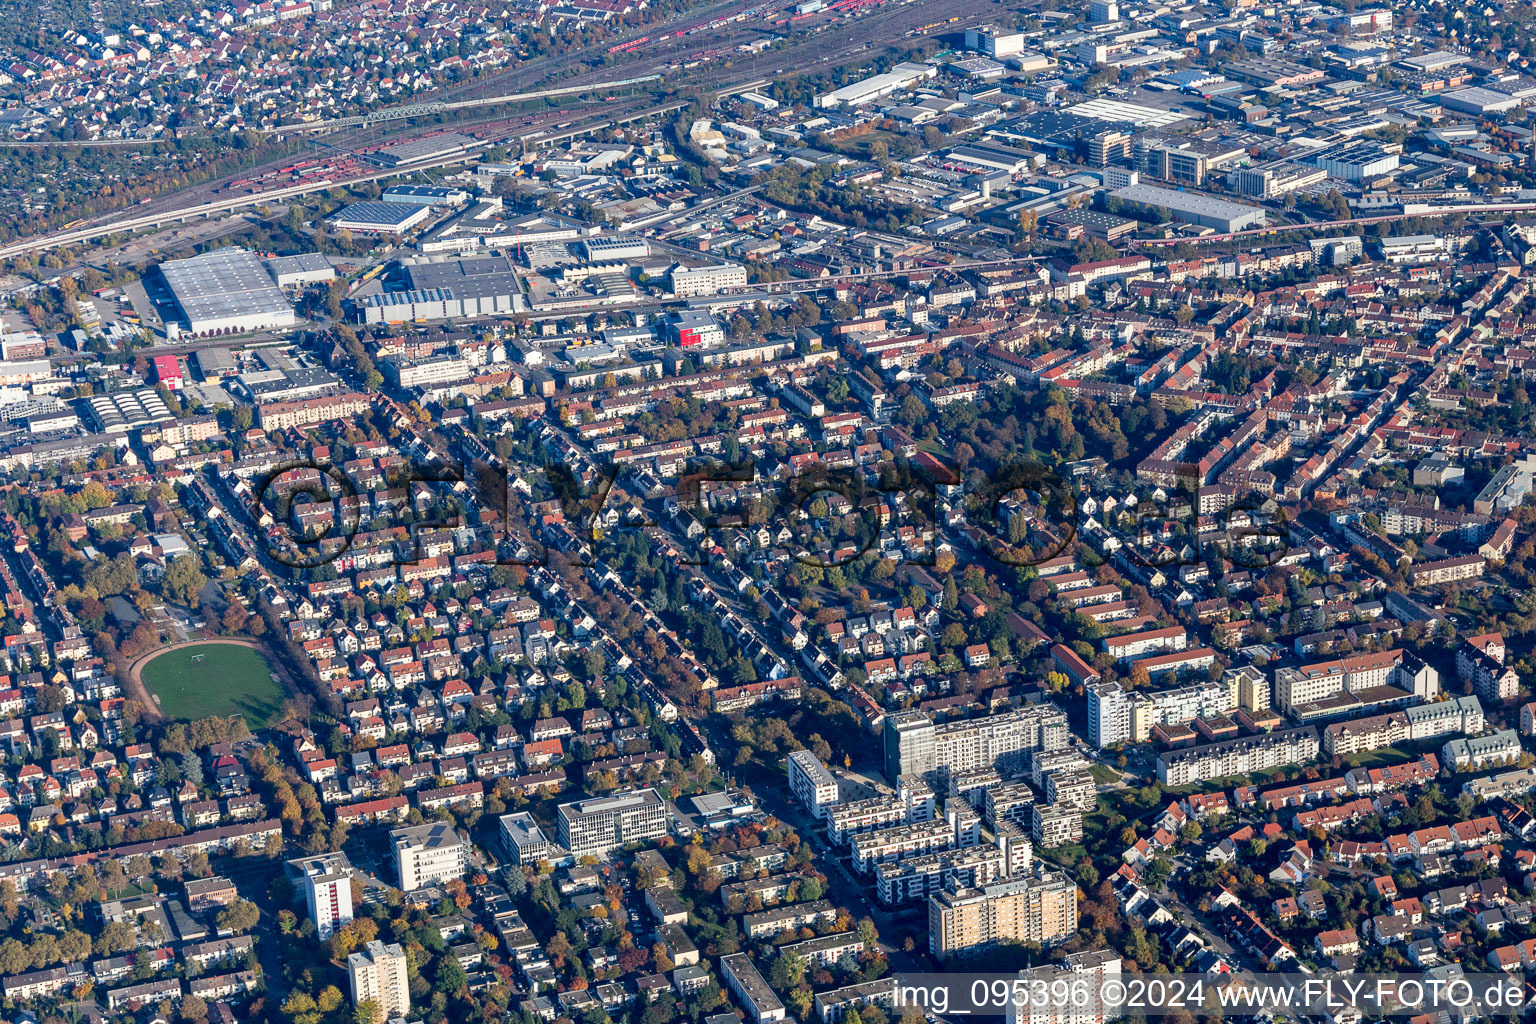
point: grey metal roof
(224, 284)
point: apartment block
(327, 883)
(1237, 757)
(887, 844)
(1082, 976)
(1135, 646)
(1053, 825)
(912, 802)
(801, 915)
(911, 879)
(1324, 679)
(1041, 910)
(916, 745)
(811, 783)
(377, 973)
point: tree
(787, 972)
(558, 948)
(239, 916)
(75, 946)
(183, 579)
(450, 977)
(368, 1012)
(116, 937)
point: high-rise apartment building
(916, 745)
(327, 883)
(1251, 687)
(811, 783)
(1042, 910)
(1083, 977)
(378, 973)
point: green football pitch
(214, 679)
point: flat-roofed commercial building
(449, 287)
(603, 824)
(989, 157)
(428, 854)
(1193, 207)
(902, 76)
(688, 282)
(1477, 100)
(1508, 487)
(994, 42)
(426, 195)
(1274, 179)
(1180, 158)
(525, 841)
(1357, 161)
(379, 218)
(227, 291)
(1094, 223)
(300, 269)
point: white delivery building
(902, 76)
(228, 291)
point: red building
(168, 372)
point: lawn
(1103, 774)
(228, 680)
(1376, 758)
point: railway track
(649, 64)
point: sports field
(214, 679)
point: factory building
(431, 148)
(1193, 207)
(228, 291)
(447, 287)
(1358, 161)
(426, 195)
(901, 77)
(302, 269)
(122, 411)
(688, 282)
(379, 218)
(994, 42)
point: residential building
(377, 973)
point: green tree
(239, 916)
(183, 580)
